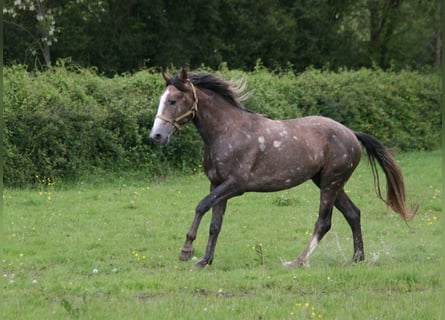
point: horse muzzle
(159, 138)
(161, 131)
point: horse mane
(233, 92)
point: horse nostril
(157, 137)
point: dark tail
(395, 197)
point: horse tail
(395, 190)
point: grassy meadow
(108, 247)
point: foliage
(65, 122)
(109, 250)
(69, 121)
(119, 36)
(35, 19)
(401, 109)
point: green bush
(67, 122)
(401, 109)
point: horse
(245, 151)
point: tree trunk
(382, 23)
(374, 28)
(46, 53)
(438, 36)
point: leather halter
(192, 111)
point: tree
(36, 19)
(125, 35)
(113, 35)
(323, 37)
(438, 35)
(256, 29)
(404, 33)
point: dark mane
(208, 81)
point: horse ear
(184, 75)
(165, 76)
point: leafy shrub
(401, 109)
(65, 122)
(69, 121)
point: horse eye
(172, 102)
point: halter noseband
(192, 111)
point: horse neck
(216, 116)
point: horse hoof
(294, 264)
(201, 264)
(186, 255)
(358, 257)
(289, 264)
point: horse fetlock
(358, 256)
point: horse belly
(282, 170)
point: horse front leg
(220, 193)
(215, 228)
(187, 250)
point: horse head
(177, 106)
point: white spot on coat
(261, 140)
(277, 143)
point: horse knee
(201, 208)
(190, 236)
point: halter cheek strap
(192, 111)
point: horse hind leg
(352, 216)
(322, 226)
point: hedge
(67, 122)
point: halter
(192, 111)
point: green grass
(109, 250)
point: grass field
(108, 249)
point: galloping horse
(245, 151)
